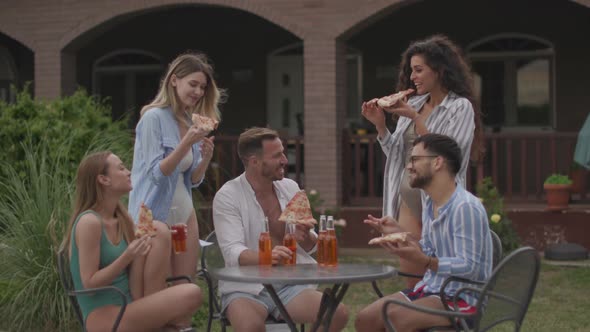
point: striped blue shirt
(461, 240)
(156, 136)
(453, 117)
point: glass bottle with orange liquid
(321, 241)
(331, 245)
(290, 242)
(265, 246)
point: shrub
(558, 179)
(79, 119)
(499, 222)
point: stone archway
(136, 6)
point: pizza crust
(399, 238)
(389, 101)
(298, 210)
(146, 222)
(207, 124)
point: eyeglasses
(414, 158)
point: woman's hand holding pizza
(207, 147)
(193, 135)
(372, 112)
(402, 108)
(138, 247)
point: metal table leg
(330, 301)
(281, 307)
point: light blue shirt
(156, 136)
(461, 240)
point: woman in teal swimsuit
(104, 252)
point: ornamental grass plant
(41, 148)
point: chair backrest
(497, 245)
(211, 256)
(63, 267)
(507, 295)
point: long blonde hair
(89, 194)
(183, 65)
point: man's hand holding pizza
(298, 212)
(412, 251)
(384, 225)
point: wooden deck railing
(517, 162)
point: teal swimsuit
(108, 254)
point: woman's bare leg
(154, 274)
(412, 224)
(169, 306)
(185, 264)
(136, 277)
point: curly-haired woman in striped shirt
(443, 102)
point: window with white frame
(514, 81)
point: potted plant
(557, 187)
(579, 177)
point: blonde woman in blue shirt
(171, 154)
(443, 103)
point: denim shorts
(286, 293)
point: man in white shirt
(239, 209)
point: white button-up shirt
(238, 219)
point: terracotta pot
(558, 196)
(579, 179)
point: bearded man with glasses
(456, 239)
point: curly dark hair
(447, 59)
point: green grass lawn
(561, 301)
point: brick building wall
(51, 29)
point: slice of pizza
(399, 238)
(205, 123)
(298, 210)
(145, 225)
(391, 100)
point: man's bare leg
(304, 309)
(246, 315)
(404, 319)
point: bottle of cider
(322, 241)
(331, 245)
(290, 242)
(265, 246)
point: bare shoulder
(88, 223)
